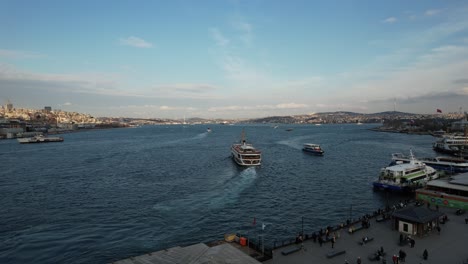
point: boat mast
(243, 137)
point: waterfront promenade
(450, 246)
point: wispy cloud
(135, 42)
(19, 54)
(244, 28)
(390, 20)
(185, 90)
(219, 38)
(461, 81)
(258, 107)
(432, 12)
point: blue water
(106, 195)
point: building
(416, 220)
(47, 109)
(448, 192)
(9, 106)
(460, 125)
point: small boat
(313, 148)
(289, 129)
(405, 177)
(451, 164)
(245, 154)
(208, 130)
(39, 139)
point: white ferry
(451, 144)
(313, 148)
(39, 139)
(405, 177)
(452, 164)
(245, 154)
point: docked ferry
(39, 139)
(313, 148)
(405, 177)
(451, 164)
(245, 154)
(451, 144)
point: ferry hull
(387, 187)
(316, 153)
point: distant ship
(245, 154)
(313, 148)
(405, 177)
(39, 139)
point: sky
(234, 58)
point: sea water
(105, 195)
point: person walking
(333, 241)
(320, 239)
(358, 261)
(438, 229)
(425, 254)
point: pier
(448, 246)
(444, 245)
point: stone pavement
(448, 247)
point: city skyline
(234, 59)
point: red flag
(439, 111)
(254, 221)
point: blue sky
(234, 59)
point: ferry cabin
(246, 155)
(404, 174)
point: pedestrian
(358, 260)
(395, 259)
(425, 254)
(403, 256)
(412, 243)
(438, 230)
(333, 242)
(320, 239)
(401, 238)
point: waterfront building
(448, 192)
(460, 125)
(416, 220)
(9, 107)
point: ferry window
(405, 227)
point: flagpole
(302, 233)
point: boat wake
(295, 143)
(182, 140)
(226, 192)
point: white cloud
(219, 37)
(432, 12)
(390, 20)
(18, 54)
(258, 107)
(67, 104)
(135, 42)
(244, 28)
